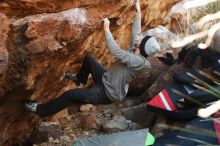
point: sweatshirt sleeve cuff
(137, 15)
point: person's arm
(136, 26)
(130, 59)
(111, 44)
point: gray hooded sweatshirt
(127, 67)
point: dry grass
(187, 23)
(208, 9)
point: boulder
(106, 113)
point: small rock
(108, 111)
(56, 141)
(87, 108)
(64, 43)
(50, 139)
(45, 144)
(73, 135)
(99, 115)
(89, 121)
(108, 115)
(93, 108)
(85, 133)
(117, 124)
(66, 140)
(119, 118)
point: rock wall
(40, 46)
(4, 29)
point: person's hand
(106, 24)
(208, 111)
(137, 5)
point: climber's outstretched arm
(136, 26)
(113, 47)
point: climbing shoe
(73, 78)
(31, 106)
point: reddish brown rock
(4, 29)
(89, 121)
(87, 108)
(21, 8)
(154, 10)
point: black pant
(94, 95)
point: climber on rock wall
(109, 85)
